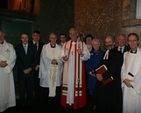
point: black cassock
(108, 98)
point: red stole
(79, 101)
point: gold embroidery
(7, 50)
(54, 76)
(72, 52)
(50, 74)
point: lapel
(126, 48)
(39, 46)
(23, 51)
(116, 47)
(28, 49)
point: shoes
(26, 109)
(94, 108)
(23, 109)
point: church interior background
(96, 17)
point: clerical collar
(74, 41)
(133, 51)
(1, 43)
(52, 46)
(62, 43)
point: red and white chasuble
(73, 84)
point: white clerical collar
(73, 43)
(133, 51)
(62, 43)
(3, 43)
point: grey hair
(96, 40)
(110, 36)
(2, 33)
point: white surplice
(7, 89)
(70, 64)
(132, 96)
(50, 75)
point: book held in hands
(129, 76)
(102, 69)
(2, 58)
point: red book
(107, 80)
(102, 69)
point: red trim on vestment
(82, 97)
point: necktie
(120, 49)
(36, 45)
(25, 49)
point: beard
(109, 47)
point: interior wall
(55, 16)
(98, 17)
(130, 24)
(29, 6)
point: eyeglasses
(132, 40)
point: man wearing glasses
(131, 76)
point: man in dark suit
(26, 61)
(121, 43)
(36, 41)
(109, 96)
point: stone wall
(130, 23)
(98, 17)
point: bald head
(73, 34)
(2, 35)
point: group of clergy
(123, 93)
(58, 70)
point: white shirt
(36, 43)
(25, 46)
(121, 48)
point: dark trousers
(26, 89)
(89, 97)
(45, 99)
(36, 86)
